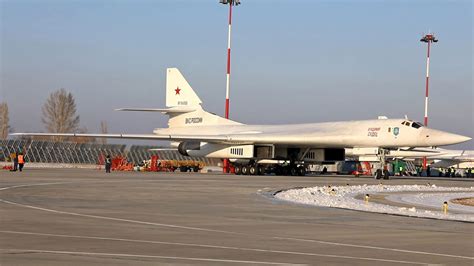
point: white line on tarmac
(220, 231)
(106, 181)
(119, 219)
(373, 247)
(213, 246)
(141, 256)
(34, 185)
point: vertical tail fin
(180, 94)
(185, 108)
(178, 90)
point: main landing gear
(292, 169)
(249, 169)
(253, 168)
(379, 174)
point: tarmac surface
(87, 217)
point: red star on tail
(177, 91)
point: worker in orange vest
(21, 161)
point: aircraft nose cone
(440, 138)
(463, 138)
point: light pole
(428, 38)
(227, 89)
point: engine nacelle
(212, 150)
(324, 155)
(186, 146)
(362, 151)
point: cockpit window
(412, 124)
(416, 125)
(406, 123)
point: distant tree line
(4, 121)
(59, 115)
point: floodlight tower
(227, 90)
(428, 38)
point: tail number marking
(373, 131)
(193, 120)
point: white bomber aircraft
(448, 158)
(199, 133)
(435, 153)
(440, 157)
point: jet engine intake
(186, 146)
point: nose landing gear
(382, 172)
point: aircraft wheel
(245, 170)
(301, 171)
(278, 170)
(386, 174)
(238, 170)
(260, 170)
(294, 171)
(253, 170)
(378, 174)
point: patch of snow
(344, 197)
(434, 200)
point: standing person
(21, 161)
(419, 170)
(15, 161)
(108, 164)
(428, 171)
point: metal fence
(86, 153)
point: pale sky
(292, 61)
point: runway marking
(142, 256)
(216, 231)
(213, 246)
(34, 185)
(119, 219)
(374, 247)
